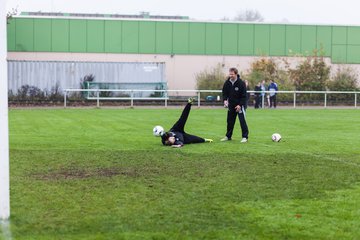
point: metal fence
(292, 98)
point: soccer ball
(276, 137)
(158, 131)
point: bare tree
(10, 14)
(225, 19)
(249, 15)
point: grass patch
(100, 174)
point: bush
(212, 79)
(55, 94)
(11, 96)
(311, 75)
(345, 79)
(262, 69)
(269, 69)
(30, 93)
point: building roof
(142, 15)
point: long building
(182, 47)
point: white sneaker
(225, 139)
(244, 140)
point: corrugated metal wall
(45, 75)
(341, 43)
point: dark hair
(165, 138)
(233, 70)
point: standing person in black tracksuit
(176, 136)
(234, 95)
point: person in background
(257, 95)
(273, 88)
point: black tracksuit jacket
(235, 94)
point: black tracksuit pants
(257, 101)
(180, 125)
(231, 118)
(273, 101)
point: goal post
(4, 123)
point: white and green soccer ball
(158, 131)
(276, 137)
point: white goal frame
(4, 123)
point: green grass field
(100, 174)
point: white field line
(333, 159)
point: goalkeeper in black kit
(176, 136)
(235, 98)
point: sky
(344, 12)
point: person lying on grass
(176, 136)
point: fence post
(65, 93)
(97, 99)
(262, 100)
(294, 99)
(198, 99)
(325, 100)
(355, 100)
(132, 98)
(166, 98)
